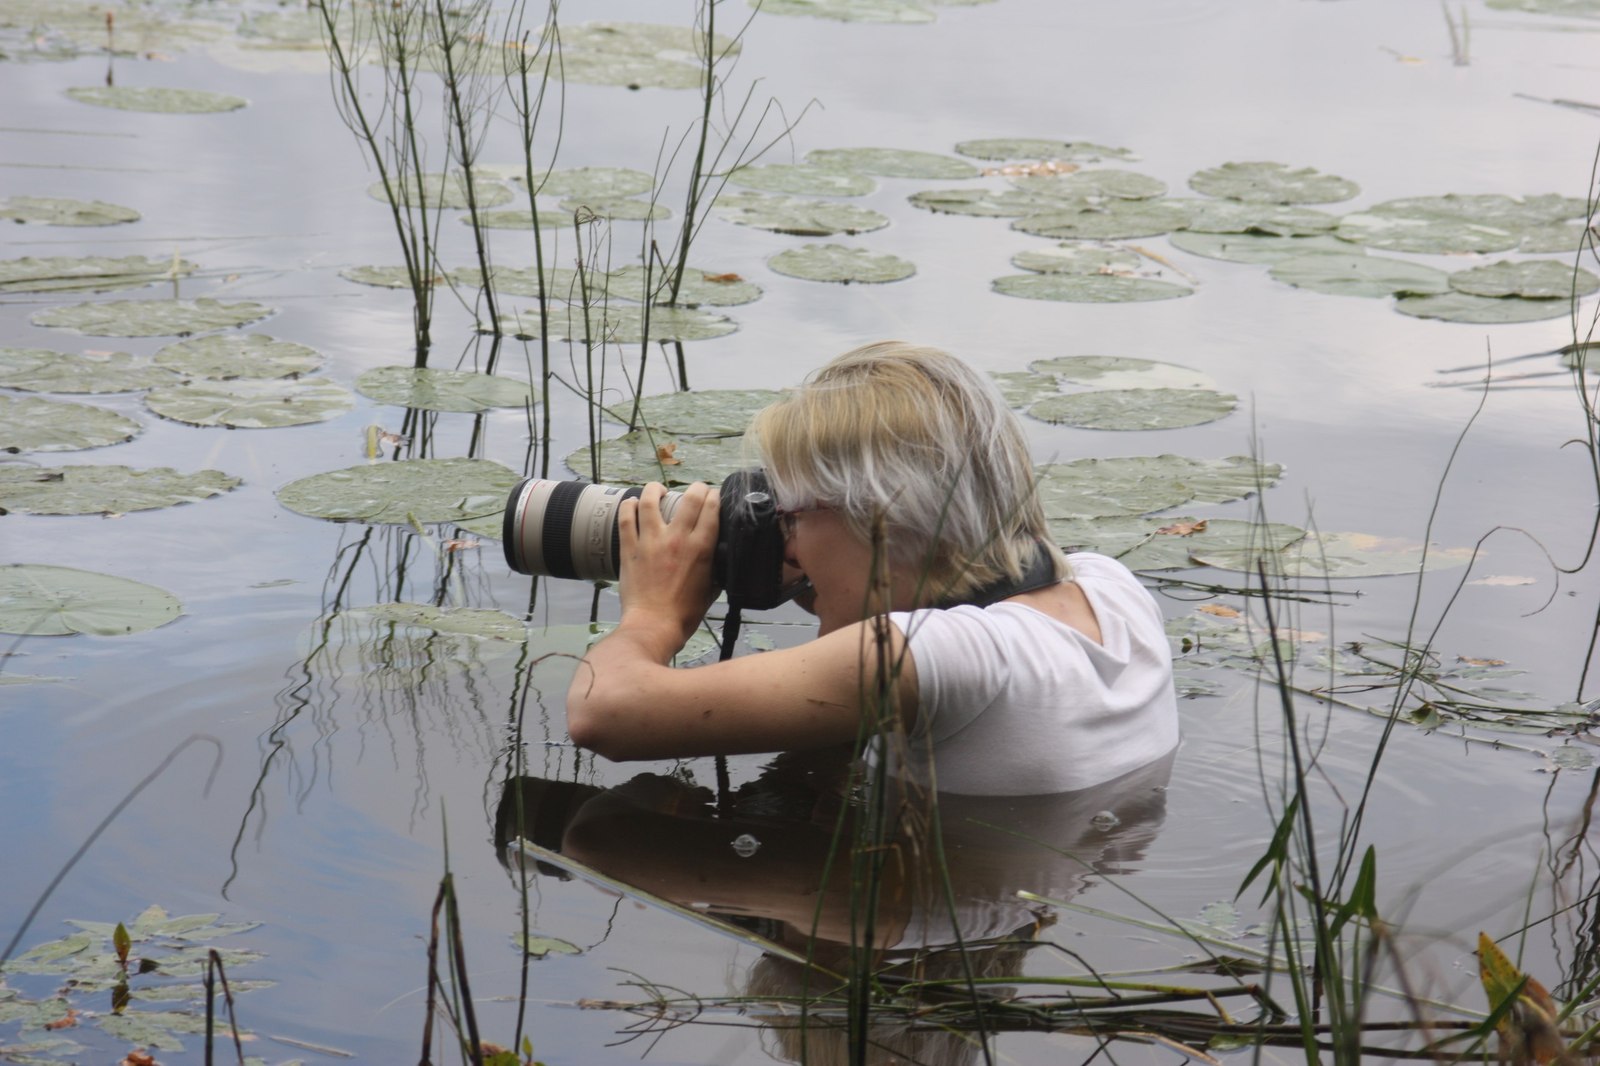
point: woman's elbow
(595, 719)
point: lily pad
(1554, 238)
(1320, 555)
(1489, 209)
(442, 190)
(560, 283)
(1120, 372)
(1574, 8)
(836, 262)
(151, 318)
(901, 11)
(1425, 236)
(699, 288)
(893, 163)
(1113, 535)
(71, 490)
(1280, 220)
(1272, 183)
(1135, 485)
(616, 324)
(540, 946)
(1108, 220)
(238, 355)
(156, 99)
(1537, 279)
(1127, 409)
(520, 219)
(984, 203)
(637, 54)
(589, 182)
(1360, 275)
(617, 208)
(247, 403)
(1003, 148)
(58, 211)
(1088, 288)
(96, 273)
(1022, 387)
(1258, 248)
(639, 457)
(45, 601)
(1172, 551)
(427, 389)
(710, 412)
(383, 277)
(1481, 310)
(1116, 184)
(44, 370)
(803, 218)
(1078, 259)
(802, 179)
(456, 621)
(33, 424)
(427, 490)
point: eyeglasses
(786, 516)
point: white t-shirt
(1012, 702)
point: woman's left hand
(665, 567)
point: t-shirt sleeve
(949, 652)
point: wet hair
(914, 438)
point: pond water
(346, 753)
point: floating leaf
(457, 621)
(617, 208)
(1135, 485)
(1257, 248)
(708, 412)
(984, 203)
(1078, 259)
(1110, 220)
(637, 54)
(1575, 8)
(1554, 238)
(1120, 372)
(156, 99)
(426, 490)
(32, 424)
(1113, 535)
(1088, 288)
(803, 218)
(1337, 555)
(151, 318)
(68, 946)
(384, 277)
(58, 211)
(836, 262)
(893, 163)
(587, 182)
(541, 946)
(803, 179)
(1127, 409)
(1481, 310)
(427, 389)
(44, 370)
(699, 288)
(441, 190)
(93, 273)
(1002, 148)
(251, 404)
(238, 355)
(1117, 184)
(1360, 275)
(1022, 387)
(521, 219)
(1272, 183)
(1173, 552)
(1538, 279)
(617, 324)
(1426, 236)
(1231, 216)
(902, 11)
(1489, 209)
(634, 459)
(560, 283)
(57, 600)
(104, 489)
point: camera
(569, 529)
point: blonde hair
(912, 438)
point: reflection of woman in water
(907, 494)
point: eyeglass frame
(787, 515)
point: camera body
(569, 529)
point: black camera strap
(1039, 573)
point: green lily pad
(1108, 220)
(33, 424)
(1272, 183)
(836, 262)
(616, 324)
(95, 273)
(560, 283)
(1258, 248)
(999, 149)
(151, 318)
(1088, 288)
(58, 211)
(1120, 372)
(1555, 238)
(427, 490)
(1573, 8)
(1320, 555)
(802, 179)
(1537, 279)
(1489, 209)
(636, 54)
(617, 208)
(156, 99)
(1078, 259)
(1360, 275)
(65, 490)
(457, 621)
(590, 182)
(1481, 310)
(383, 277)
(238, 355)
(1022, 387)
(521, 219)
(1175, 552)
(442, 190)
(709, 412)
(44, 370)
(901, 11)
(803, 218)
(1113, 535)
(1127, 409)
(640, 457)
(1280, 220)
(699, 288)
(1135, 485)
(1116, 184)
(427, 389)
(984, 203)
(46, 601)
(893, 163)
(248, 403)
(1425, 236)
(540, 946)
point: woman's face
(839, 565)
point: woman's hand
(665, 567)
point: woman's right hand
(665, 572)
